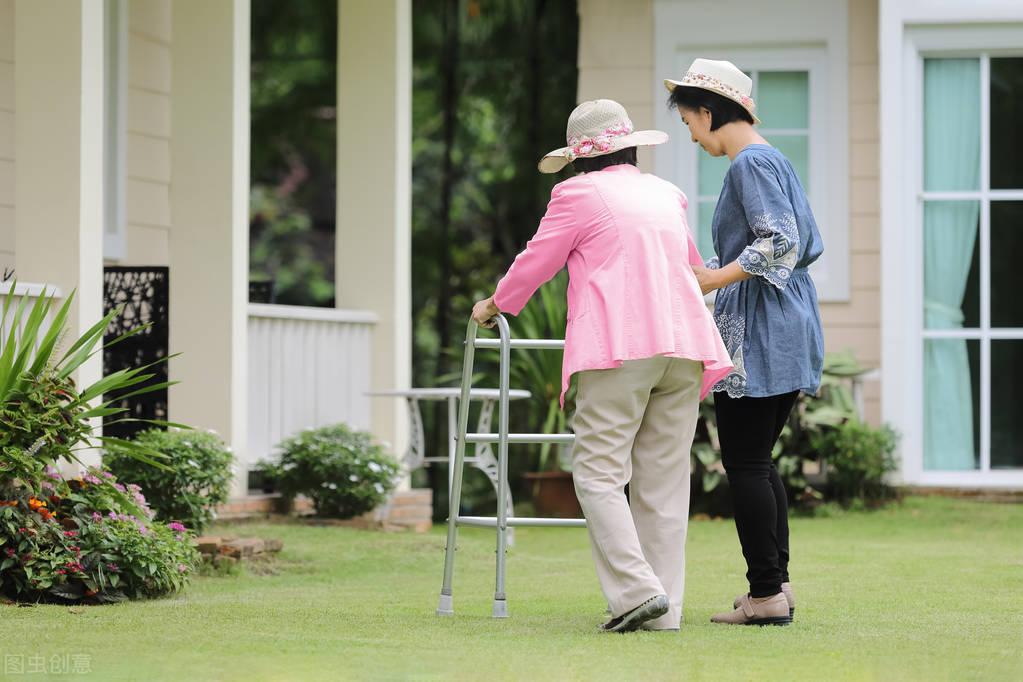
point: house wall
(616, 60)
(147, 184)
(856, 325)
(147, 190)
(6, 134)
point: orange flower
(35, 504)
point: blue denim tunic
(770, 323)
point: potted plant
(553, 490)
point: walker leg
(500, 609)
(445, 606)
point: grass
(928, 590)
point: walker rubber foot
(500, 608)
(446, 607)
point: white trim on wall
(796, 35)
(908, 33)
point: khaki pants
(635, 424)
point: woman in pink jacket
(645, 349)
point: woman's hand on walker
(484, 311)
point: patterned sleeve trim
(714, 263)
(774, 253)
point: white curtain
(951, 162)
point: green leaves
(43, 417)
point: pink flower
(177, 527)
(113, 567)
(96, 517)
(182, 568)
(70, 533)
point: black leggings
(748, 429)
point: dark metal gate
(144, 293)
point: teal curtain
(951, 163)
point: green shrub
(89, 539)
(196, 479)
(858, 457)
(79, 543)
(343, 471)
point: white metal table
(483, 459)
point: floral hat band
(597, 128)
(721, 77)
(583, 146)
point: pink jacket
(632, 293)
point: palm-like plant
(43, 416)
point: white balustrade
(22, 291)
(308, 367)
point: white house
(902, 118)
(124, 140)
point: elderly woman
(765, 238)
(643, 345)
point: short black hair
(596, 163)
(722, 110)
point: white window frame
(905, 43)
(115, 129)
(794, 36)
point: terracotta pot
(554, 495)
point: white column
(374, 177)
(209, 236)
(59, 148)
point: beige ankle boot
(773, 610)
(786, 589)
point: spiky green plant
(44, 417)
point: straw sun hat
(597, 128)
(722, 77)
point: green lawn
(929, 590)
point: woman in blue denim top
(765, 238)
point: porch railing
(23, 290)
(308, 367)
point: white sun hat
(597, 128)
(724, 78)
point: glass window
(973, 312)
(950, 247)
(1006, 115)
(951, 404)
(951, 124)
(1006, 402)
(1006, 249)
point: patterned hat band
(583, 145)
(707, 82)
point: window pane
(950, 271)
(951, 404)
(1006, 402)
(712, 174)
(797, 149)
(783, 99)
(1006, 114)
(951, 124)
(704, 238)
(1006, 247)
